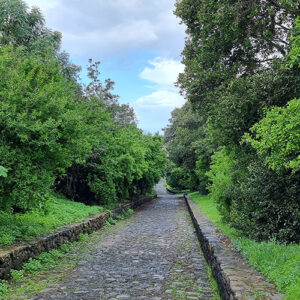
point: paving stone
(154, 254)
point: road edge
(236, 279)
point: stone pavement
(154, 256)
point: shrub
(265, 205)
(177, 178)
(220, 181)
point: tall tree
(229, 38)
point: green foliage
(125, 164)
(279, 263)
(294, 54)
(3, 172)
(220, 181)
(241, 70)
(33, 224)
(229, 38)
(277, 137)
(3, 287)
(111, 221)
(177, 178)
(183, 140)
(265, 205)
(41, 128)
(22, 27)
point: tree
(20, 26)
(123, 114)
(277, 137)
(182, 140)
(226, 39)
(42, 128)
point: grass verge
(278, 262)
(61, 211)
(49, 268)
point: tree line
(238, 135)
(57, 133)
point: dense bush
(177, 178)
(266, 205)
(220, 181)
(125, 164)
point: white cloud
(164, 72)
(154, 110)
(162, 98)
(106, 28)
(44, 5)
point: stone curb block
(236, 279)
(15, 257)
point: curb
(15, 257)
(236, 279)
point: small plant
(33, 266)
(111, 221)
(3, 288)
(17, 275)
(83, 237)
(129, 211)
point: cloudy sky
(138, 43)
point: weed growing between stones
(213, 284)
(183, 285)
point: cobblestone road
(154, 256)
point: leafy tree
(220, 181)
(241, 59)
(125, 164)
(123, 114)
(226, 39)
(243, 102)
(182, 140)
(277, 137)
(42, 129)
(20, 26)
(294, 54)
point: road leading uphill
(155, 255)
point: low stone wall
(235, 277)
(14, 257)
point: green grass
(14, 228)
(279, 263)
(26, 282)
(51, 267)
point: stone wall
(235, 277)
(14, 257)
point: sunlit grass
(61, 211)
